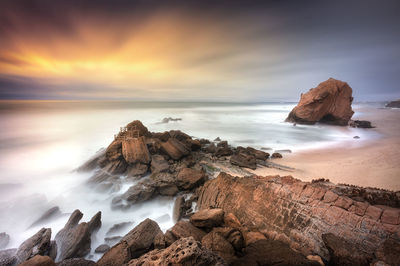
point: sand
(373, 163)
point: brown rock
(343, 202)
(218, 244)
(251, 237)
(230, 220)
(103, 248)
(179, 208)
(39, 261)
(389, 252)
(135, 150)
(232, 235)
(76, 262)
(330, 197)
(391, 216)
(359, 208)
(208, 218)
(174, 149)
(189, 178)
(137, 170)
(38, 244)
(330, 102)
(114, 150)
(373, 212)
(159, 241)
(159, 164)
(276, 155)
(183, 229)
(137, 125)
(244, 160)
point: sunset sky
(204, 50)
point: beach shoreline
(370, 163)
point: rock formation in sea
(393, 104)
(330, 102)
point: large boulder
(183, 229)
(135, 150)
(73, 241)
(134, 244)
(244, 160)
(39, 261)
(185, 251)
(189, 178)
(38, 244)
(330, 102)
(175, 148)
(218, 244)
(159, 164)
(208, 218)
(137, 125)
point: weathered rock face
(137, 242)
(208, 218)
(189, 178)
(183, 229)
(185, 251)
(73, 241)
(175, 149)
(135, 150)
(38, 244)
(330, 102)
(299, 213)
(393, 104)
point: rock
(283, 151)
(230, 220)
(232, 235)
(137, 125)
(53, 250)
(244, 160)
(73, 241)
(330, 102)
(195, 145)
(389, 252)
(344, 253)
(217, 139)
(159, 241)
(356, 137)
(159, 164)
(185, 251)
(188, 179)
(48, 215)
(111, 241)
(179, 208)
(114, 151)
(271, 252)
(276, 155)
(137, 242)
(360, 124)
(169, 119)
(208, 218)
(183, 229)
(211, 148)
(93, 162)
(137, 170)
(103, 248)
(7, 257)
(76, 262)
(179, 135)
(38, 244)
(116, 228)
(393, 104)
(174, 149)
(4, 240)
(135, 194)
(135, 150)
(219, 245)
(39, 261)
(223, 149)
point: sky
(197, 50)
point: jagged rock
(260, 155)
(189, 178)
(244, 160)
(103, 248)
(137, 125)
(393, 104)
(49, 214)
(195, 145)
(164, 136)
(211, 148)
(217, 139)
(116, 228)
(76, 262)
(231, 220)
(7, 257)
(168, 119)
(179, 208)
(174, 149)
(185, 251)
(137, 242)
(135, 151)
(223, 149)
(73, 241)
(360, 124)
(38, 244)
(159, 164)
(183, 229)
(232, 235)
(271, 252)
(344, 253)
(39, 261)
(208, 218)
(4, 240)
(276, 155)
(330, 102)
(114, 151)
(218, 244)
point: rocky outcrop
(300, 213)
(73, 241)
(38, 244)
(134, 244)
(185, 251)
(330, 102)
(393, 104)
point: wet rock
(360, 124)
(4, 240)
(174, 149)
(219, 245)
(344, 253)
(330, 102)
(393, 104)
(185, 251)
(179, 208)
(208, 218)
(137, 242)
(39, 261)
(103, 248)
(38, 244)
(116, 228)
(188, 178)
(135, 194)
(159, 164)
(76, 262)
(276, 155)
(73, 241)
(48, 215)
(135, 151)
(244, 160)
(183, 229)
(7, 257)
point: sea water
(43, 142)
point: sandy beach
(374, 163)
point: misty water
(41, 143)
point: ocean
(43, 142)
